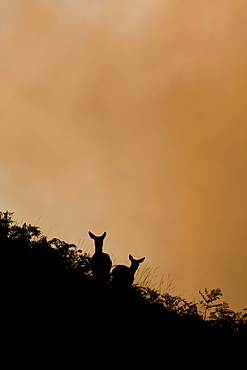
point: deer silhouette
(123, 276)
(101, 262)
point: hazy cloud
(131, 117)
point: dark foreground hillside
(53, 310)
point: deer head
(135, 263)
(98, 241)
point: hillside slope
(52, 302)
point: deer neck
(133, 269)
(98, 249)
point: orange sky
(130, 117)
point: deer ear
(131, 258)
(104, 235)
(141, 259)
(92, 236)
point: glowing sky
(131, 117)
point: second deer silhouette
(123, 276)
(101, 262)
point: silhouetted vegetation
(50, 295)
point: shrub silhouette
(49, 292)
